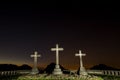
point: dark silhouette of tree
(25, 67)
(102, 67)
(49, 69)
(12, 67)
(8, 67)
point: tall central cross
(57, 49)
(80, 54)
(35, 56)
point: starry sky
(25, 28)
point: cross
(80, 54)
(35, 55)
(57, 49)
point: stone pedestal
(83, 71)
(35, 71)
(57, 70)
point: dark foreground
(15, 77)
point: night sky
(25, 28)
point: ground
(60, 77)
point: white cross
(57, 49)
(80, 54)
(35, 58)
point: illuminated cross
(57, 49)
(80, 54)
(35, 56)
(82, 69)
(57, 70)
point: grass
(61, 77)
(99, 77)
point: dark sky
(25, 28)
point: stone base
(83, 71)
(35, 71)
(57, 70)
